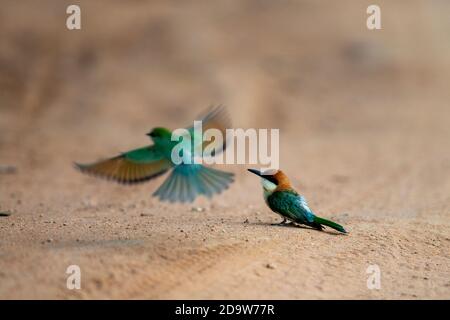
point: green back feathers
(291, 205)
(144, 155)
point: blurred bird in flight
(186, 181)
(285, 201)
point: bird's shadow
(293, 225)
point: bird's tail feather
(187, 181)
(330, 224)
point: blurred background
(364, 115)
(312, 69)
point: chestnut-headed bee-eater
(186, 181)
(285, 201)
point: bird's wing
(135, 166)
(216, 118)
(304, 204)
(291, 205)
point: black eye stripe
(271, 179)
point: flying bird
(186, 180)
(282, 199)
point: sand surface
(364, 123)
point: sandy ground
(364, 129)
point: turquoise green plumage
(285, 201)
(186, 180)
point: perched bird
(284, 200)
(186, 181)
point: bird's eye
(273, 180)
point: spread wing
(291, 205)
(131, 167)
(216, 118)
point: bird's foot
(282, 223)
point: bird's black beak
(257, 172)
(149, 134)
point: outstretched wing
(131, 167)
(291, 205)
(216, 118)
